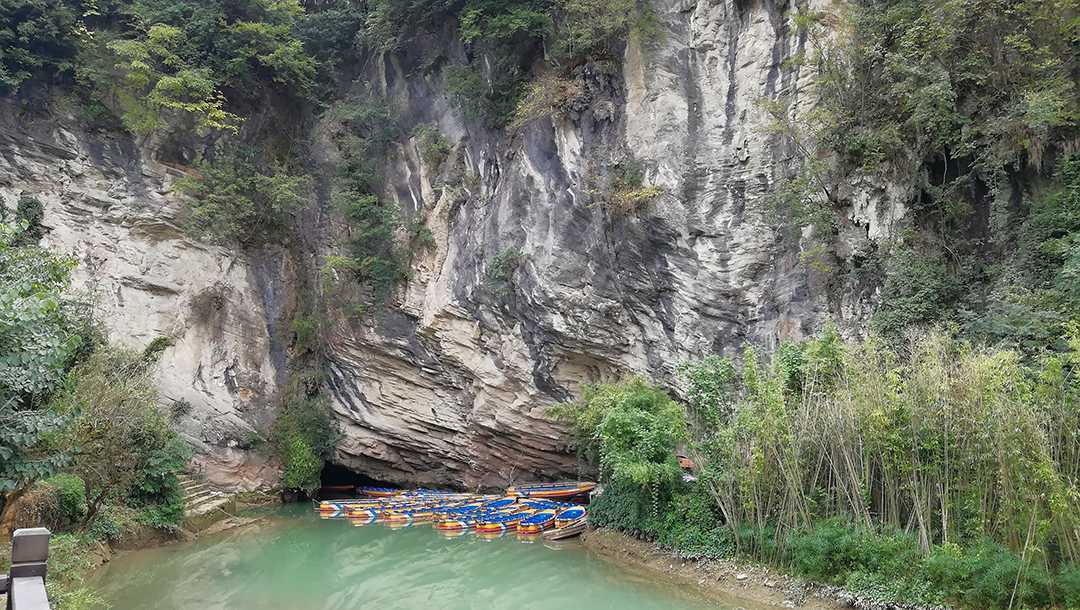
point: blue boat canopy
(572, 513)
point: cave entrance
(337, 481)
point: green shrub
(433, 145)
(831, 550)
(370, 253)
(890, 588)
(585, 28)
(305, 334)
(492, 103)
(626, 508)
(919, 290)
(691, 527)
(827, 553)
(994, 573)
(302, 466)
(1068, 582)
(31, 211)
(70, 497)
(39, 39)
(127, 451)
(236, 201)
(166, 516)
(42, 334)
(631, 430)
(303, 437)
(111, 524)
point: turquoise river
(293, 559)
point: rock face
(532, 286)
(109, 207)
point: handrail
(25, 582)
(28, 593)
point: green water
(296, 560)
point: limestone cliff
(450, 384)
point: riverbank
(727, 582)
(74, 556)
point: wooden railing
(25, 583)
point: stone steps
(203, 505)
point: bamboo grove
(944, 439)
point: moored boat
(379, 492)
(567, 531)
(537, 522)
(569, 515)
(552, 490)
(500, 523)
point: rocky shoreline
(729, 582)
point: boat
(497, 504)
(537, 522)
(569, 515)
(500, 523)
(567, 531)
(379, 492)
(454, 525)
(552, 490)
(340, 506)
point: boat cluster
(529, 510)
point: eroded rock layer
(451, 384)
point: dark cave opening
(338, 481)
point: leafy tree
(631, 429)
(157, 79)
(235, 201)
(37, 38)
(122, 441)
(195, 58)
(41, 335)
(303, 437)
(592, 27)
(390, 23)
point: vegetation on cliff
(971, 108)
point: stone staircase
(203, 505)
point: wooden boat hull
(568, 531)
(552, 490)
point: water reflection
(300, 561)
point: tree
(234, 201)
(631, 428)
(195, 58)
(157, 79)
(37, 37)
(118, 432)
(41, 335)
(303, 437)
